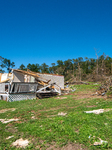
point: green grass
(50, 128)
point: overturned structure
(20, 85)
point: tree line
(79, 67)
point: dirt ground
(8, 109)
(69, 146)
(90, 95)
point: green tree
(6, 63)
(53, 68)
(68, 67)
(60, 67)
(22, 67)
(44, 68)
(33, 67)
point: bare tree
(78, 73)
(96, 52)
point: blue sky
(38, 31)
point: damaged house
(20, 85)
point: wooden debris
(8, 120)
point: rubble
(20, 143)
(105, 87)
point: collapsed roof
(10, 76)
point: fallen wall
(59, 80)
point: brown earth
(69, 146)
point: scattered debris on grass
(106, 124)
(33, 117)
(98, 111)
(62, 114)
(100, 143)
(95, 111)
(9, 137)
(8, 109)
(95, 84)
(8, 120)
(74, 90)
(20, 143)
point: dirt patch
(12, 130)
(90, 106)
(9, 125)
(59, 114)
(8, 109)
(74, 147)
(18, 122)
(33, 111)
(69, 146)
(56, 108)
(88, 95)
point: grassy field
(40, 123)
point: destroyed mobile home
(21, 85)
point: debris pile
(105, 87)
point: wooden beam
(5, 81)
